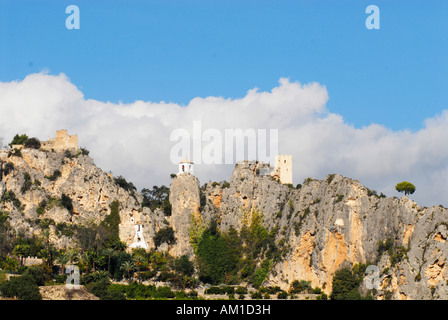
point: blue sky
(178, 50)
(368, 104)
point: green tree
(38, 274)
(22, 251)
(128, 186)
(128, 266)
(63, 260)
(164, 235)
(406, 187)
(5, 243)
(184, 266)
(218, 255)
(18, 139)
(110, 224)
(108, 253)
(345, 285)
(158, 197)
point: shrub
(56, 174)
(64, 229)
(40, 211)
(121, 181)
(32, 143)
(164, 292)
(9, 166)
(2, 276)
(23, 287)
(262, 272)
(101, 289)
(301, 286)
(84, 151)
(92, 277)
(26, 183)
(256, 295)
(241, 290)
(68, 154)
(322, 296)
(67, 202)
(330, 178)
(38, 274)
(164, 235)
(282, 295)
(11, 196)
(15, 153)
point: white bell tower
(186, 166)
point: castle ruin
(62, 142)
(281, 171)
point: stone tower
(283, 168)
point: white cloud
(133, 139)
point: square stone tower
(283, 168)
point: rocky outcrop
(338, 222)
(65, 293)
(319, 228)
(40, 178)
(185, 202)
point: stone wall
(63, 141)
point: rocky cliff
(35, 182)
(320, 227)
(336, 222)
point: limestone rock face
(90, 189)
(185, 202)
(319, 228)
(337, 222)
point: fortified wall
(62, 142)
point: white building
(186, 166)
(139, 239)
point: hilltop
(252, 230)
